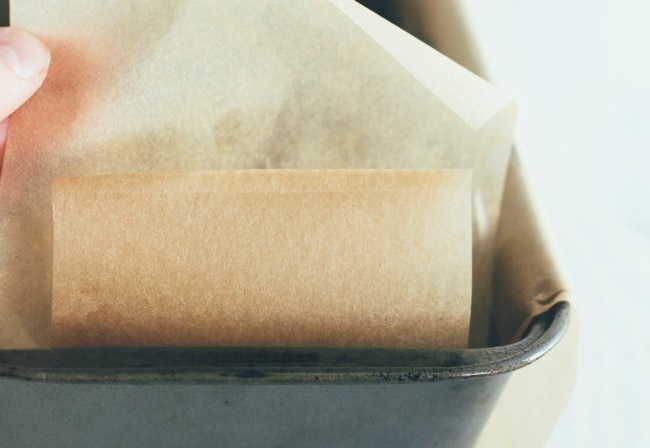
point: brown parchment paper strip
(369, 258)
(139, 85)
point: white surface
(580, 72)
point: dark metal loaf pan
(239, 397)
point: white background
(580, 71)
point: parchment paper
(195, 84)
(370, 258)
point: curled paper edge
(472, 98)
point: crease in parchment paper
(186, 85)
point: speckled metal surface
(259, 397)
(278, 365)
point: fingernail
(23, 53)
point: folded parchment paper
(161, 85)
(366, 258)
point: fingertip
(24, 61)
(23, 53)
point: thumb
(24, 61)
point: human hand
(24, 61)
